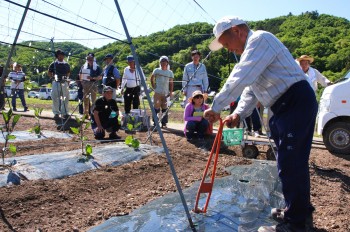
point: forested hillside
(325, 37)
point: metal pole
(14, 44)
(132, 47)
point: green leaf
(88, 149)
(37, 112)
(10, 137)
(15, 120)
(137, 124)
(84, 138)
(87, 125)
(5, 116)
(135, 143)
(75, 130)
(37, 129)
(84, 117)
(128, 140)
(130, 126)
(13, 149)
(78, 119)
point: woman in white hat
(193, 116)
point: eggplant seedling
(37, 126)
(6, 131)
(131, 126)
(87, 149)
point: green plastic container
(232, 136)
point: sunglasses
(198, 96)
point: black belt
(196, 85)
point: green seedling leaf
(135, 143)
(128, 140)
(5, 116)
(87, 125)
(37, 129)
(88, 149)
(84, 117)
(13, 149)
(130, 126)
(137, 124)
(15, 120)
(78, 119)
(84, 138)
(75, 130)
(10, 137)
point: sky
(142, 17)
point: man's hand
(99, 129)
(232, 120)
(211, 115)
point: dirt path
(79, 202)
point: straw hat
(197, 93)
(306, 57)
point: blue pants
(292, 128)
(253, 119)
(200, 127)
(20, 93)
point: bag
(139, 120)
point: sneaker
(277, 214)
(164, 125)
(26, 109)
(114, 136)
(56, 116)
(14, 109)
(289, 227)
(256, 134)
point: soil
(79, 202)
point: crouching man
(104, 115)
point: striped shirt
(266, 70)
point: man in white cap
(267, 73)
(314, 76)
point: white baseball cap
(221, 26)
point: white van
(334, 116)
(45, 93)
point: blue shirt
(195, 75)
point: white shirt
(314, 77)
(131, 79)
(265, 72)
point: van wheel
(336, 138)
(49, 98)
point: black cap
(130, 58)
(108, 56)
(90, 54)
(195, 52)
(107, 88)
(59, 52)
